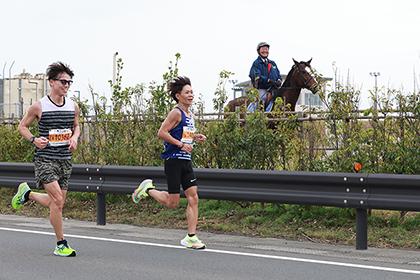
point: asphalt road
(129, 252)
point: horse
(300, 76)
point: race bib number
(59, 137)
(188, 135)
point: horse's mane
(287, 82)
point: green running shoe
(192, 242)
(19, 199)
(141, 191)
(64, 250)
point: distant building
(19, 92)
(306, 97)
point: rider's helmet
(262, 44)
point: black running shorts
(179, 172)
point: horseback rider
(264, 76)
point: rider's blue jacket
(262, 71)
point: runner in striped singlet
(59, 130)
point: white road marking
(381, 268)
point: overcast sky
(360, 36)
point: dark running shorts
(50, 170)
(179, 172)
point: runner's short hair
(56, 68)
(177, 84)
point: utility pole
(114, 68)
(335, 75)
(375, 115)
(20, 101)
(10, 87)
(3, 90)
(375, 102)
(114, 76)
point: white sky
(360, 36)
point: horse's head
(303, 76)
(300, 76)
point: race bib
(59, 137)
(188, 135)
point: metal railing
(300, 116)
(347, 190)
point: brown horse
(300, 76)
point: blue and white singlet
(184, 132)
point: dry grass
(386, 229)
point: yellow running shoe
(141, 191)
(192, 242)
(64, 250)
(19, 198)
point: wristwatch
(32, 139)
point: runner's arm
(173, 118)
(76, 129)
(33, 113)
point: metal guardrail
(347, 190)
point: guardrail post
(100, 209)
(361, 229)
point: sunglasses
(64, 82)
